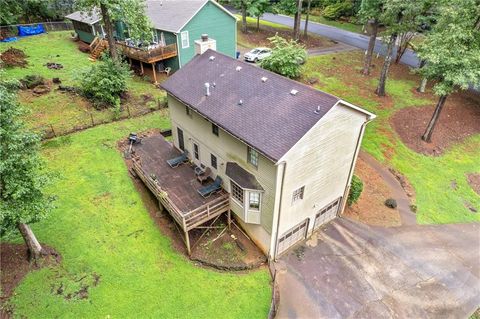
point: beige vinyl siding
(320, 162)
(227, 148)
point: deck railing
(188, 220)
(148, 55)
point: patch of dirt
(15, 265)
(75, 287)
(260, 38)
(83, 47)
(474, 181)
(13, 57)
(53, 65)
(370, 208)
(460, 119)
(407, 187)
(41, 89)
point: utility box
(204, 44)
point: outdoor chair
(174, 162)
(213, 188)
(204, 175)
(199, 170)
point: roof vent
(240, 102)
(214, 84)
(317, 111)
(238, 68)
(207, 89)
(293, 92)
(211, 58)
(264, 79)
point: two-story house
(178, 29)
(284, 150)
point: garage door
(292, 236)
(327, 213)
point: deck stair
(97, 47)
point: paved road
(352, 270)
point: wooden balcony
(176, 188)
(150, 55)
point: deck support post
(141, 67)
(154, 73)
(187, 242)
(229, 219)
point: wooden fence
(49, 26)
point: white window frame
(242, 203)
(298, 194)
(184, 39)
(250, 193)
(251, 151)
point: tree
(291, 7)
(243, 6)
(297, 20)
(131, 12)
(10, 11)
(22, 174)
(257, 8)
(370, 14)
(286, 57)
(400, 16)
(305, 29)
(452, 53)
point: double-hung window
(298, 194)
(214, 129)
(252, 156)
(254, 200)
(185, 40)
(213, 161)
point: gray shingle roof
(85, 17)
(242, 177)
(270, 119)
(168, 15)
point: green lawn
(141, 276)
(430, 176)
(66, 111)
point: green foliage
(286, 57)
(131, 12)
(370, 10)
(355, 190)
(102, 228)
(452, 49)
(336, 10)
(22, 177)
(104, 82)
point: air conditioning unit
(204, 44)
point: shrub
(355, 190)
(336, 10)
(391, 203)
(286, 57)
(104, 82)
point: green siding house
(178, 29)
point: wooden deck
(175, 188)
(148, 56)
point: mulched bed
(14, 267)
(460, 119)
(474, 181)
(370, 208)
(13, 57)
(260, 38)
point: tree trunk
(107, 22)
(305, 30)
(34, 247)
(371, 46)
(423, 85)
(405, 39)
(244, 17)
(380, 91)
(298, 20)
(427, 136)
(258, 23)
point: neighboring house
(178, 24)
(285, 151)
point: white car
(257, 54)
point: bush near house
(286, 57)
(355, 190)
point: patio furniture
(199, 170)
(204, 176)
(174, 162)
(213, 188)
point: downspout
(274, 246)
(352, 165)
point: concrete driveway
(351, 270)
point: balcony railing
(148, 55)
